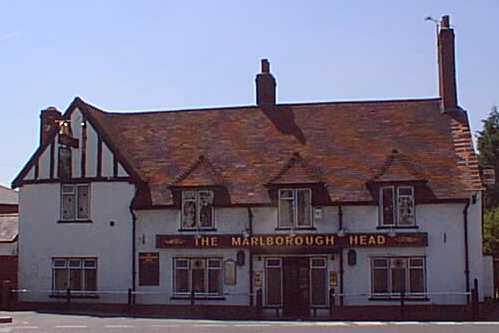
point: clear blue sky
(136, 55)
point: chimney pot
(445, 22)
(265, 66)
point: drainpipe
(340, 224)
(250, 260)
(466, 254)
(134, 222)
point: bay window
(391, 276)
(397, 206)
(295, 208)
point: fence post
(68, 296)
(402, 303)
(129, 301)
(475, 300)
(259, 301)
(331, 301)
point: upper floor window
(75, 203)
(197, 210)
(397, 206)
(295, 208)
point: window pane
(387, 198)
(214, 263)
(286, 213)
(60, 279)
(380, 280)
(398, 279)
(214, 280)
(189, 195)
(418, 262)
(181, 280)
(416, 280)
(406, 210)
(273, 262)
(75, 263)
(59, 262)
(286, 194)
(304, 203)
(273, 286)
(405, 190)
(68, 189)
(90, 279)
(68, 207)
(90, 263)
(189, 214)
(83, 202)
(198, 280)
(75, 279)
(205, 209)
(319, 286)
(380, 263)
(318, 262)
(182, 263)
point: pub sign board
(293, 241)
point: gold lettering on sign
(330, 240)
(319, 240)
(279, 240)
(236, 242)
(353, 240)
(381, 239)
(298, 240)
(246, 241)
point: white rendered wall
(41, 237)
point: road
(58, 323)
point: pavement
(28, 321)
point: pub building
(278, 205)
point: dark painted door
(296, 286)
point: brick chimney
(447, 65)
(48, 123)
(265, 86)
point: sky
(162, 55)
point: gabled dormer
(197, 191)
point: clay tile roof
(350, 143)
(9, 227)
(398, 167)
(8, 196)
(200, 173)
(297, 171)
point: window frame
(294, 200)
(396, 206)
(197, 201)
(83, 271)
(206, 270)
(281, 276)
(75, 189)
(324, 266)
(407, 264)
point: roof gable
(200, 173)
(296, 171)
(398, 167)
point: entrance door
(296, 286)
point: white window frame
(197, 201)
(76, 201)
(294, 197)
(395, 204)
(68, 268)
(324, 266)
(265, 288)
(206, 276)
(408, 266)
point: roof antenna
(437, 22)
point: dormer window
(197, 210)
(397, 206)
(295, 208)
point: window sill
(198, 230)
(388, 227)
(74, 221)
(74, 295)
(294, 229)
(408, 299)
(199, 298)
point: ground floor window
(77, 274)
(201, 275)
(392, 275)
(318, 279)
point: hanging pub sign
(309, 241)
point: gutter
(466, 250)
